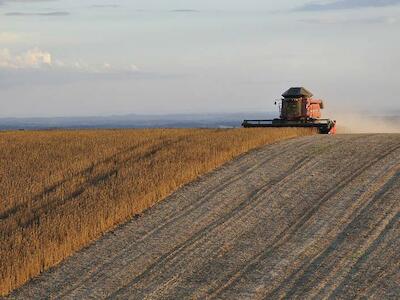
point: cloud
(38, 59)
(46, 14)
(346, 4)
(33, 58)
(105, 6)
(23, 1)
(346, 20)
(184, 11)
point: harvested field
(311, 217)
(60, 190)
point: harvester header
(298, 109)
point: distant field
(60, 190)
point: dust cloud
(356, 123)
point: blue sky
(98, 57)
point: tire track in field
(278, 243)
(357, 209)
(250, 203)
(193, 206)
(389, 151)
(334, 266)
(252, 200)
(221, 236)
(361, 241)
(287, 234)
(392, 265)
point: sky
(110, 57)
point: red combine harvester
(297, 109)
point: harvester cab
(297, 109)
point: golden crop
(60, 190)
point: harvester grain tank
(297, 109)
